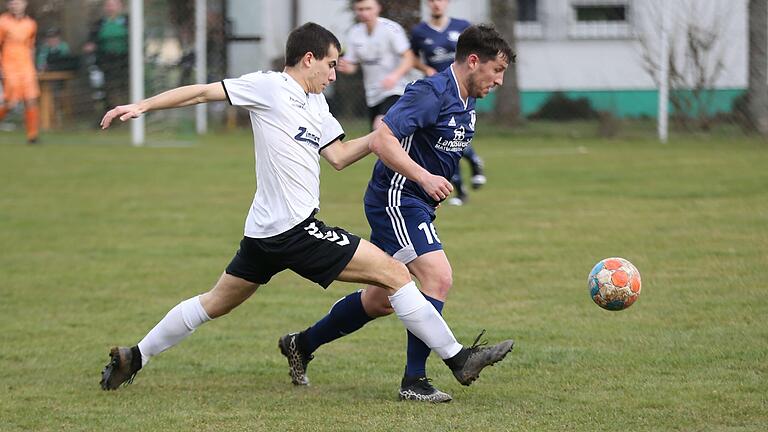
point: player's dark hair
(483, 41)
(309, 37)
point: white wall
(559, 60)
(246, 17)
(551, 55)
(579, 65)
(726, 18)
(271, 19)
(334, 15)
(475, 11)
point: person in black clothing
(108, 40)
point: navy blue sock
(418, 351)
(458, 183)
(469, 153)
(345, 317)
(474, 160)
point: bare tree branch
(696, 58)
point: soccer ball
(614, 284)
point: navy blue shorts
(403, 232)
(311, 249)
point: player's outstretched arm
(407, 61)
(178, 97)
(346, 67)
(341, 154)
(423, 67)
(388, 149)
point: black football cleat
(467, 364)
(478, 180)
(124, 364)
(420, 389)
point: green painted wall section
(623, 103)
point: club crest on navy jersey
(455, 143)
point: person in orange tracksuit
(17, 64)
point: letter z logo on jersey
(307, 137)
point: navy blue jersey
(438, 47)
(434, 125)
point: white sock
(423, 320)
(180, 322)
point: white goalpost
(663, 120)
(201, 63)
(136, 65)
(136, 48)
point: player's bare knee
(379, 310)
(375, 304)
(438, 285)
(395, 275)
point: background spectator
(108, 39)
(53, 52)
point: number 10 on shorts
(429, 232)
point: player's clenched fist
(436, 187)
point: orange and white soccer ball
(614, 284)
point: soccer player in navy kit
(292, 129)
(434, 42)
(419, 146)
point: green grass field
(99, 239)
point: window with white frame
(528, 25)
(600, 19)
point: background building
(605, 51)
(596, 49)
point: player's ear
(473, 61)
(307, 59)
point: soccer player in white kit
(292, 128)
(381, 47)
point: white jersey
(379, 53)
(290, 127)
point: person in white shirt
(381, 47)
(292, 128)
